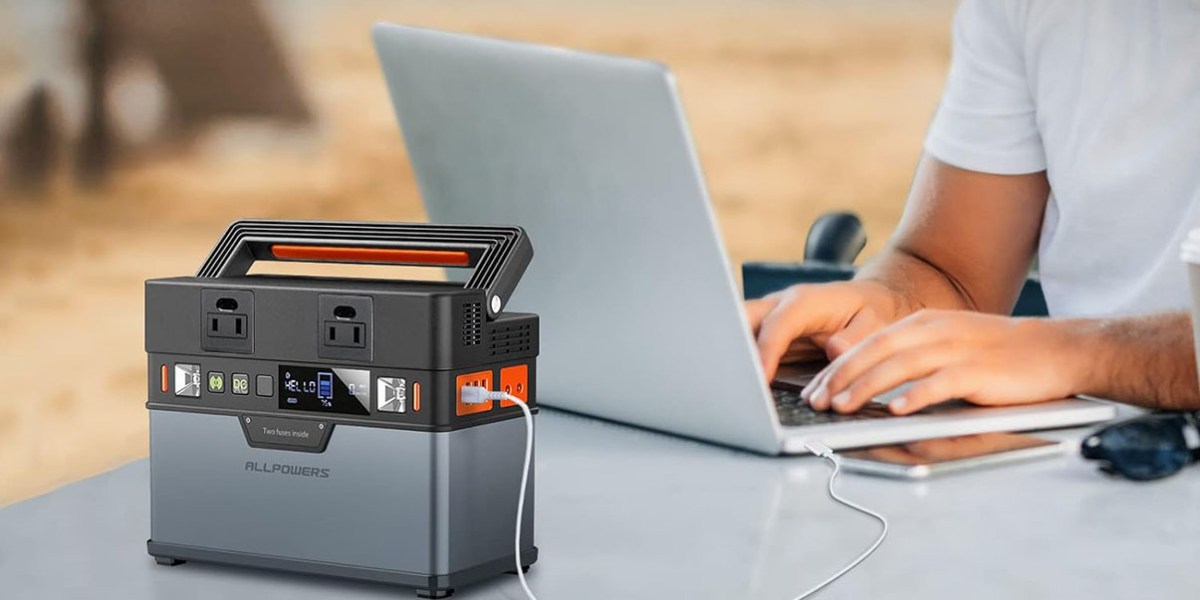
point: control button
(239, 383)
(187, 380)
(216, 382)
(264, 385)
(392, 394)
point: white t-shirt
(1104, 95)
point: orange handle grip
(438, 258)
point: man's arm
(967, 236)
(966, 239)
(993, 360)
(965, 242)
(1148, 361)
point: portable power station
(316, 424)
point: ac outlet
(481, 379)
(346, 327)
(227, 321)
(225, 325)
(346, 334)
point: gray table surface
(626, 514)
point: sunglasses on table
(1146, 447)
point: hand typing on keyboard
(815, 321)
(942, 355)
(923, 359)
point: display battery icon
(324, 386)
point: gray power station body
(315, 424)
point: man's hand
(812, 321)
(948, 354)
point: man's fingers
(800, 313)
(816, 390)
(864, 323)
(903, 336)
(861, 325)
(890, 373)
(773, 342)
(758, 309)
(941, 386)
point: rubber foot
(167, 561)
(435, 593)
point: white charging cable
(826, 453)
(478, 395)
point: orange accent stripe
(449, 258)
(163, 374)
(416, 397)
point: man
(1070, 128)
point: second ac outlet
(347, 327)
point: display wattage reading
(325, 389)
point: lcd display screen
(330, 389)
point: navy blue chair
(834, 241)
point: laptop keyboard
(794, 412)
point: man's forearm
(1148, 361)
(965, 240)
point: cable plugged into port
(473, 395)
(477, 395)
(479, 380)
(819, 449)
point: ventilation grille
(511, 339)
(472, 328)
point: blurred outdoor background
(133, 131)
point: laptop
(641, 318)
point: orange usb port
(482, 379)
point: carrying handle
(498, 255)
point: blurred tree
(216, 59)
(94, 154)
(34, 146)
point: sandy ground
(797, 108)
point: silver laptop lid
(641, 318)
